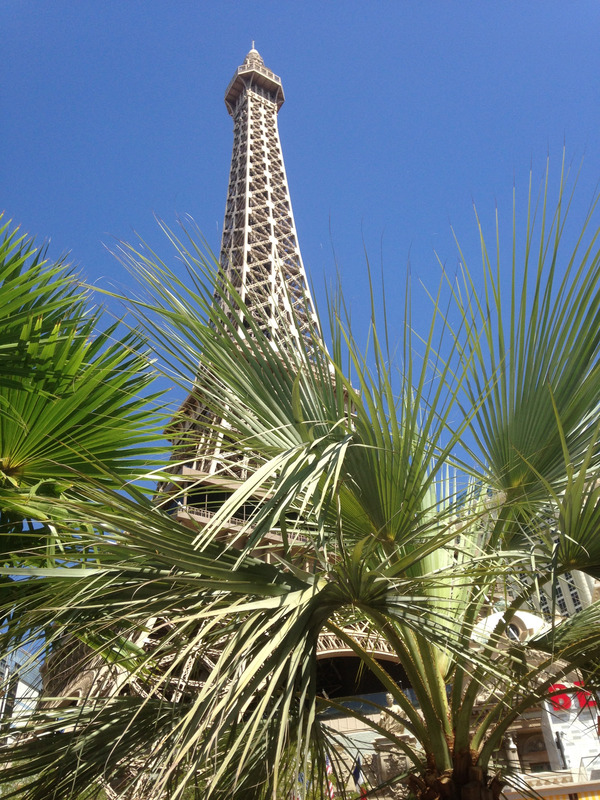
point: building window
(560, 601)
(573, 591)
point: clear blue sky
(398, 116)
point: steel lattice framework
(260, 258)
(259, 248)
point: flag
(329, 770)
(359, 778)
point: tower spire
(259, 249)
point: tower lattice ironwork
(259, 248)
(259, 257)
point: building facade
(19, 688)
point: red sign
(562, 700)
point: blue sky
(398, 116)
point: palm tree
(72, 408)
(401, 507)
(74, 411)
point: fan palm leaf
(74, 405)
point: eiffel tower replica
(260, 260)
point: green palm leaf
(74, 405)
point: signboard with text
(570, 727)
